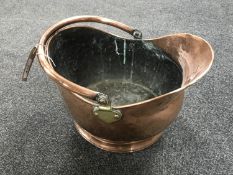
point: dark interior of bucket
(128, 71)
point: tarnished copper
(142, 123)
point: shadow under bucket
(122, 93)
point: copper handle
(134, 32)
(137, 34)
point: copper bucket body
(131, 126)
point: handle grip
(97, 19)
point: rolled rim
(81, 91)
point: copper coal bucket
(122, 93)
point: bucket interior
(128, 71)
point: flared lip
(77, 89)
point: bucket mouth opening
(128, 71)
(193, 54)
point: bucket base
(117, 146)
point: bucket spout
(194, 54)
